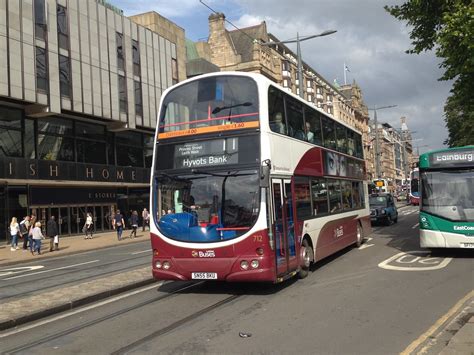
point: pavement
(17, 312)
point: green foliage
(447, 26)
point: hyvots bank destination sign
(206, 153)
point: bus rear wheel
(306, 258)
(360, 236)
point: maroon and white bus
(251, 183)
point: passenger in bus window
(277, 124)
(308, 132)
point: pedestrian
(24, 228)
(134, 224)
(37, 237)
(30, 232)
(88, 226)
(52, 232)
(118, 224)
(14, 233)
(145, 219)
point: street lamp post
(298, 53)
(377, 154)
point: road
(377, 299)
(48, 274)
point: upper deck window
(211, 101)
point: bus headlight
(254, 264)
(166, 265)
(244, 264)
(158, 264)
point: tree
(447, 26)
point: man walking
(146, 219)
(52, 232)
(24, 228)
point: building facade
(80, 86)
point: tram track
(189, 286)
(73, 281)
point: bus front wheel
(306, 258)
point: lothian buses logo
(203, 254)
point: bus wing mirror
(265, 174)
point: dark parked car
(382, 208)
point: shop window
(63, 30)
(129, 156)
(40, 19)
(90, 130)
(41, 70)
(64, 76)
(30, 146)
(122, 93)
(136, 57)
(120, 53)
(91, 152)
(138, 98)
(319, 194)
(302, 197)
(55, 125)
(55, 148)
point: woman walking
(37, 237)
(118, 223)
(134, 224)
(30, 232)
(88, 226)
(14, 233)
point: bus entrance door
(283, 226)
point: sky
(368, 40)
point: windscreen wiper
(220, 108)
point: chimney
(216, 23)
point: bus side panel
(336, 235)
(225, 260)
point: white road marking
(59, 268)
(365, 245)
(16, 270)
(409, 257)
(79, 310)
(140, 252)
(415, 226)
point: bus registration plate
(204, 276)
(467, 245)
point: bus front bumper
(438, 239)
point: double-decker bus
(447, 198)
(414, 192)
(250, 183)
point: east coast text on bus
(447, 198)
(250, 183)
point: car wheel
(306, 259)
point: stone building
(249, 49)
(80, 86)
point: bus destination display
(461, 157)
(206, 153)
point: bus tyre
(360, 236)
(306, 257)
